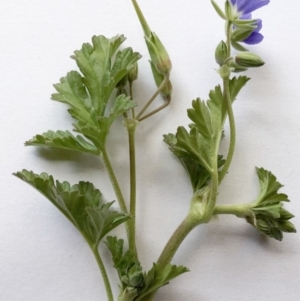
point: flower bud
(247, 59)
(224, 71)
(133, 73)
(221, 53)
(136, 279)
(160, 60)
(240, 35)
(159, 78)
(158, 53)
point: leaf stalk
(101, 266)
(131, 125)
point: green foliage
(97, 134)
(64, 140)
(236, 84)
(197, 173)
(123, 261)
(102, 68)
(202, 142)
(268, 215)
(128, 268)
(197, 149)
(72, 91)
(135, 284)
(82, 204)
(159, 276)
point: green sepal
(166, 91)
(63, 140)
(248, 60)
(159, 276)
(238, 46)
(82, 204)
(218, 10)
(240, 35)
(158, 53)
(228, 10)
(133, 73)
(221, 53)
(245, 24)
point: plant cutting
(101, 91)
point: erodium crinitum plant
(100, 92)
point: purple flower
(244, 9)
(255, 37)
(247, 6)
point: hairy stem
(142, 19)
(240, 210)
(228, 35)
(116, 186)
(167, 102)
(228, 101)
(131, 96)
(189, 223)
(164, 82)
(106, 282)
(131, 126)
(175, 241)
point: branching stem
(164, 82)
(167, 102)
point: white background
(42, 257)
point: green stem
(115, 185)
(192, 220)
(106, 282)
(240, 210)
(131, 126)
(142, 19)
(167, 102)
(176, 239)
(228, 35)
(131, 96)
(166, 79)
(228, 101)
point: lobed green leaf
(82, 204)
(63, 140)
(159, 276)
(268, 215)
